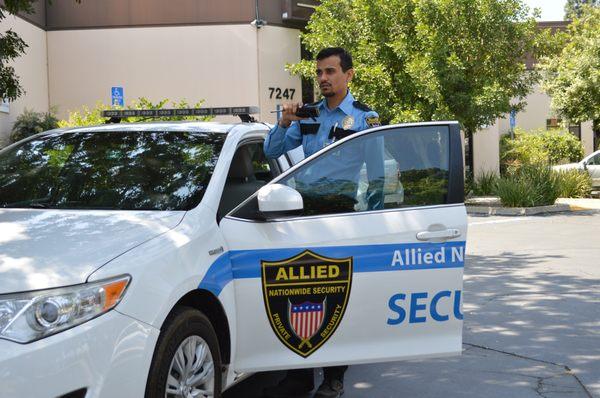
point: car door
(370, 269)
(593, 167)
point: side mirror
(279, 200)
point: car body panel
(42, 249)
(109, 355)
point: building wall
(216, 63)
(277, 47)
(486, 149)
(32, 71)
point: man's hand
(289, 114)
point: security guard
(340, 115)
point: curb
(518, 211)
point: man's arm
(286, 135)
(281, 139)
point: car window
(156, 170)
(248, 172)
(594, 160)
(396, 168)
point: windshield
(150, 170)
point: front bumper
(109, 356)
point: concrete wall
(486, 150)
(215, 63)
(486, 141)
(32, 71)
(277, 47)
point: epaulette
(361, 106)
(314, 103)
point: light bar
(235, 111)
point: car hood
(41, 249)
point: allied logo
(305, 298)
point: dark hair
(345, 57)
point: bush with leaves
(485, 183)
(91, 117)
(30, 122)
(529, 185)
(574, 184)
(539, 146)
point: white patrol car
(172, 259)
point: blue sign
(513, 119)
(117, 96)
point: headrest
(241, 164)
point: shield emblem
(305, 298)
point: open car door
(366, 267)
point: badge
(347, 122)
(305, 298)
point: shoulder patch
(373, 121)
(361, 106)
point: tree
(574, 8)
(572, 77)
(11, 47)
(431, 59)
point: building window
(574, 128)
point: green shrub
(515, 192)
(91, 117)
(529, 185)
(485, 184)
(30, 122)
(574, 184)
(553, 146)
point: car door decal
(305, 298)
(246, 264)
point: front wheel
(186, 361)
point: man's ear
(350, 74)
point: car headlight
(30, 316)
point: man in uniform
(339, 116)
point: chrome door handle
(443, 234)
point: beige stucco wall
(486, 141)
(587, 137)
(32, 71)
(277, 47)
(217, 63)
(486, 150)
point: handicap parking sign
(117, 96)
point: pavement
(532, 319)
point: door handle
(443, 234)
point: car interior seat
(241, 181)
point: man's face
(332, 79)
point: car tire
(186, 333)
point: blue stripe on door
(242, 264)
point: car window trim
(456, 174)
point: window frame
(248, 209)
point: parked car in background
(591, 163)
